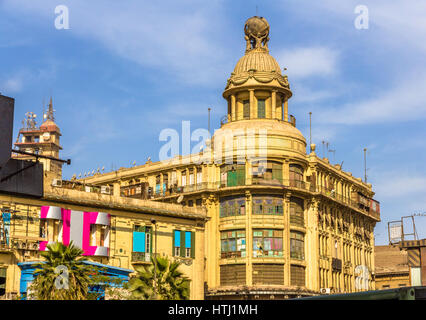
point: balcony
(336, 264)
(141, 257)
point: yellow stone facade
(281, 222)
(260, 187)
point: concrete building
(392, 270)
(283, 222)
(114, 232)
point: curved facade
(283, 222)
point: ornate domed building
(282, 222)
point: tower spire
(50, 113)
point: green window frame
(183, 244)
(233, 244)
(297, 212)
(267, 243)
(267, 205)
(232, 206)
(233, 175)
(297, 245)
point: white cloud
(177, 38)
(309, 61)
(402, 102)
(11, 85)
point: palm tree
(47, 284)
(171, 284)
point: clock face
(46, 136)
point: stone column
(233, 108)
(285, 109)
(273, 103)
(286, 238)
(253, 114)
(312, 245)
(249, 240)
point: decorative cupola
(257, 89)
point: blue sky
(125, 70)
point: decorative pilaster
(273, 103)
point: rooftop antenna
(365, 165)
(256, 11)
(323, 148)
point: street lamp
(154, 222)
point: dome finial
(256, 32)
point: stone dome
(258, 61)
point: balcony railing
(141, 257)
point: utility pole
(154, 222)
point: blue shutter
(138, 241)
(177, 239)
(188, 239)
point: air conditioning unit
(57, 183)
(105, 189)
(325, 290)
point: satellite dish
(149, 158)
(103, 168)
(93, 172)
(79, 175)
(179, 199)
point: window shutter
(173, 243)
(277, 172)
(192, 244)
(241, 175)
(182, 244)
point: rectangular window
(93, 235)
(297, 245)
(233, 244)
(246, 109)
(261, 108)
(184, 244)
(183, 178)
(267, 205)
(142, 239)
(199, 176)
(267, 243)
(297, 274)
(232, 207)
